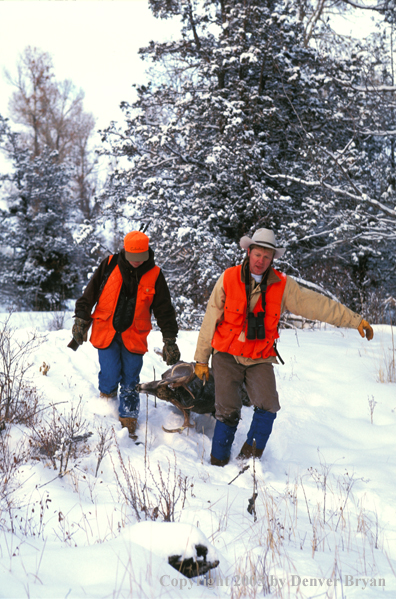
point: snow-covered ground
(324, 524)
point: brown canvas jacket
(296, 299)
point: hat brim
(246, 242)
(142, 257)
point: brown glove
(202, 371)
(365, 327)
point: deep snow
(325, 514)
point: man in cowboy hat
(240, 327)
(126, 289)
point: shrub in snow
(168, 488)
(19, 399)
(60, 438)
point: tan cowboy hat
(264, 238)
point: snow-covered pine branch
(337, 190)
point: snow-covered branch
(366, 88)
(388, 133)
(377, 8)
(336, 190)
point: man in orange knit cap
(126, 289)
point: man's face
(259, 260)
(135, 264)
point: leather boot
(108, 396)
(215, 462)
(130, 424)
(247, 452)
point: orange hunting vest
(228, 330)
(134, 338)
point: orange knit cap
(136, 246)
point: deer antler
(186, 423)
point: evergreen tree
(40, 265)
(259, 131)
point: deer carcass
(181, 387)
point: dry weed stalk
(60, 438)
(14, 365)
(251, 576)
(161, 499)
(10, 461)
(321, 480)
(102, 447)
(368, 526)
(387, 368)
(337, 523)
(44, 368)
(372, 403)
(345, 487)
(34, 524)
(275, 522)
(170, 490)
(57, 322)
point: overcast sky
(94, 43)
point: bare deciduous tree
(53, 115)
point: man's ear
(248, 252)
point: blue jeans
(120, 366)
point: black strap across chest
(263, 287)
(110, 266)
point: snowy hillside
(324, 521)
